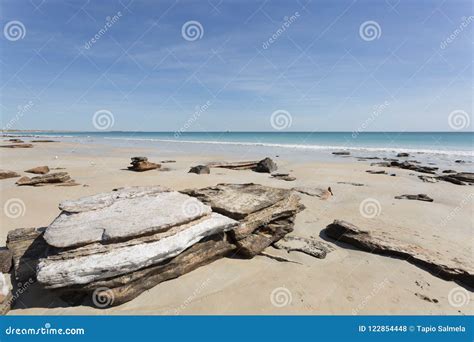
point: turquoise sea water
(437, 148)
(445, 143)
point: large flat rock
(239, 200)
(55, 273)
(439, 264)
(122, 215)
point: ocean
(430, 147)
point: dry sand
(347, 281)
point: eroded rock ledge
(119, 244)
(385, 244)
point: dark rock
(167, 161)
(342, 153)
(200, 170)
(402, 155)
(266, 165)
(459, 161)
(419, 197)
(43, 141)
(376, 172)
(428, 179)
(388, 244)
(351, 183)
(449, 171)
(140, 164)
(461, 178)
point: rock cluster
(408, 166)
(141, 164)
(116, 245)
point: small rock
(403, 154)
(41, 170)
(167, 161)
(376, 172)
(17, 146)
(350, 183)
(43, 141)
(141, 164)
(428, 179)
(459, 161)
(266, 165)
(426, 298)
(341, 153)
(449, 171)
(200, 170)
(57, 177)
(4, 174)
(419, 197)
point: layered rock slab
(55, 272)
(384, 243)
(121, 215)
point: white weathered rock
(121, 215)
(85, 269)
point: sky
(218, 65)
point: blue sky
(319, 69)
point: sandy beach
(348, 281)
